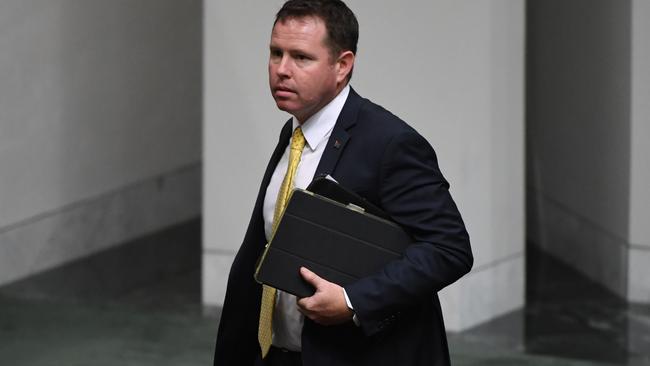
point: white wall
(453, 69)
(96, 97)
(639, 256)
(240, 128)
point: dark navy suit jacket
(379, 156)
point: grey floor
(139, 304)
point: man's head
(340, 22)
(312, 52)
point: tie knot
(297, 140)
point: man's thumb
(310, 277)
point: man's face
(302, 74)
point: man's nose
(284, 67)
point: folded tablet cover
(325, 187)
(337, 242)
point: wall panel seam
(220, 252)
(567, 210)
(496, 263)
(99, 197)
(640, 247)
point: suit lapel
(340, 136)
(285, 136)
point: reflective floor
(567, 317)
(139, 304)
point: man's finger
(304, 307)
(301, 308)
(310, 277)
(302, 303)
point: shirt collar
(317, 127)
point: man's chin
(284, 106)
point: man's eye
(302, 58)
(276, 53)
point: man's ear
(344, 65)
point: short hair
(340, 22)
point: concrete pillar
(452, 69)
(579, 134)
(588, 131)
(639, 250)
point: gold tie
(265, 331)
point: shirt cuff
(354, 316)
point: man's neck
(301, 121)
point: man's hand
(327, 306)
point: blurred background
(134, 134)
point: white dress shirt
(287, 320)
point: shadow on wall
(578, 135)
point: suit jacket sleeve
(413, 191)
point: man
(392, 317)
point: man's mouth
(282, 91)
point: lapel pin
(337, 144)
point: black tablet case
(338, 242)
